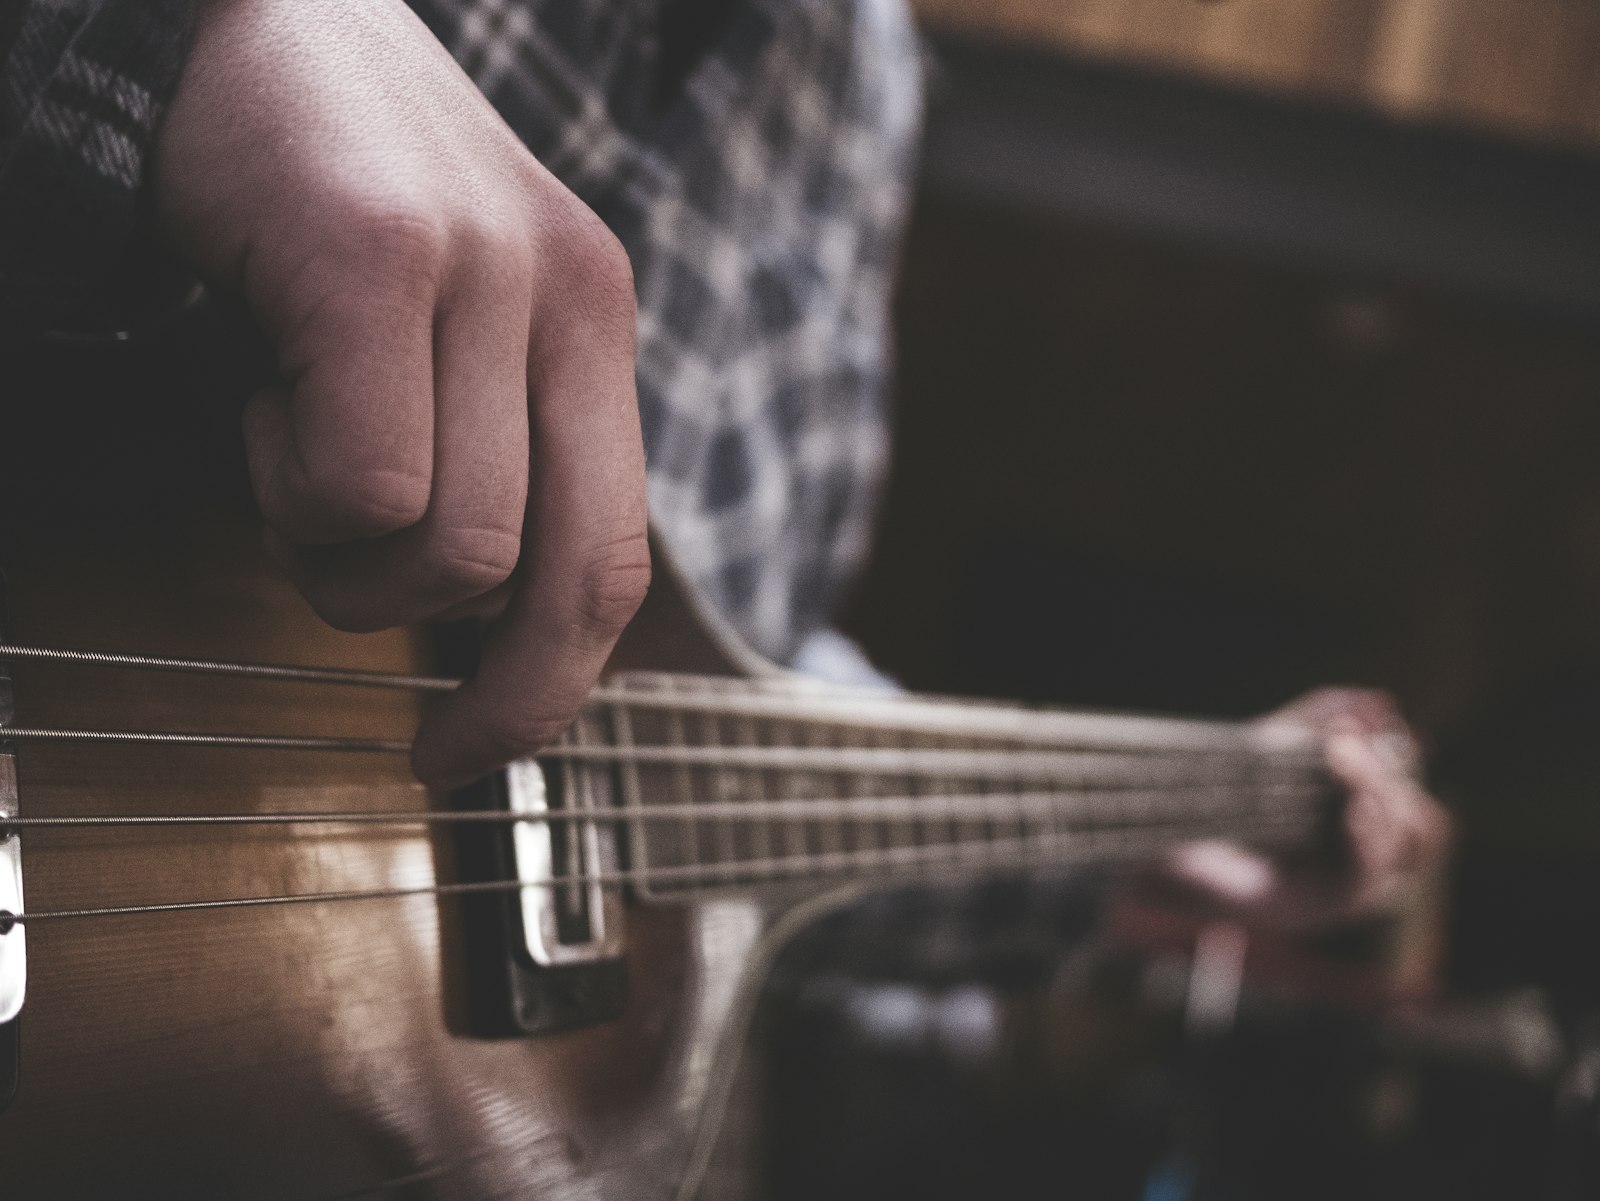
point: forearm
(84, 84)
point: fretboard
(728, 784)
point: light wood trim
(1530, 68)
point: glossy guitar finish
(322, 1049)
(315, 1051)
(296, 1051)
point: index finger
(586, 556)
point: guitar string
(716, 701)
(1061, 850)
(806, 700)
(266, 742)
(1056, 803)
(213, 667)
(1102, 765)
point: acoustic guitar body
(302, 1050)
(403, 1045)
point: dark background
(1207, 397)
(1224, 374)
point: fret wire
(808, 831)
(893, 834)
(957, 827)
(1013, 798)
(1050, 826)
(760, 832)
(917, 833)
(722, 791)
(888, 833)
(1098, 845)
(791, 835)
(862, 835)
(632, 793)
(683, 785)
(993, 812)
(985, 819)
(823, 740)
(580, 779)
(1005, 810)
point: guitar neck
(729, 784)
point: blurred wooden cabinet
(1530, 68)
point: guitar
(244, 954)
(247, 955)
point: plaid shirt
(757, 179)
(82, 83)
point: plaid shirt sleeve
(82, 85)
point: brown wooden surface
(1528, 68)
(292, 1051)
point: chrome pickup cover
(576, 922)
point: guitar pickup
(578, 917)
(546, 956)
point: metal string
(252, 671)
(1088, 737)
(803, 700)
(1102, 767)
(879, 808)
(1060, 849)
(268, 742)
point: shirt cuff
(83, 85)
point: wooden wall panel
(1530, 68)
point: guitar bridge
(13, 935)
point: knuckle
(470, 562)
(399, 239)
(613, 586)
(602, 273)
(500, 241)
(362, 503)
(607, 261)
(609, 274)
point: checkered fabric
(757, 180)
(82, 84)
(760, 203)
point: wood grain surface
(303, 1051)
(1527, 68)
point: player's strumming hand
(456, 423)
